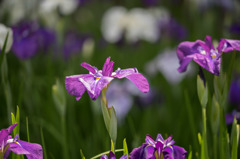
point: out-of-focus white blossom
(65, 6)
(3, 33)
(136, 24)
(18, 10)
(167, 63)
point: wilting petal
(31, 150)
(107, 67)
(90, 68)
(74, 86)
(227, 45)
(179, 152)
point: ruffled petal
(74, 86)
(168, 153)
(138, 153)
(132, 74)
(179, 152)
(228, 45)
(149, 152)
(31, 150)
(5, 132)
(107, 67)
(149, 140)
(89, 67)
(94, 85)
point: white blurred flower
(65, 6)
(135, 24)
(17, 10)
(167, 63)
(3, 33)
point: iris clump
(8, 144)
(204, 53)
(158, 149)
(96, 80)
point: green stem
(204, 154)
(65, 147)
(215, 146)
(107, 152)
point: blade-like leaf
(125, 148)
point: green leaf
(43, 145)
(58, 93)
(113, 125)
(2, 54)
(125, 148)
(190, 153)
(112, 146)
(16, 120)
(223, 137)
(106, 115)
(202, 92)
(215, 115)
(235, 139)
(27, 129)
(82, 155)
(204, 146)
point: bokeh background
(51, 38)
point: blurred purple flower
(204, 53)
(235, 28)
(96, 80)
(230, 117)
(174, 30)
(29, 38)
(120, 97)
(234, 95)
(112, 156)
(73, 44)
(161, 64)
(158, 149)
(150, 2)
(8, 144)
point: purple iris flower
(235, 29)
(96, 80)
(112, 156)
(204, 53)
(173, 29)
(8, 144)
(230, 117)
(150, 2)
(234, 95)
(73, 44)
(29, 38)
(159, 149)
